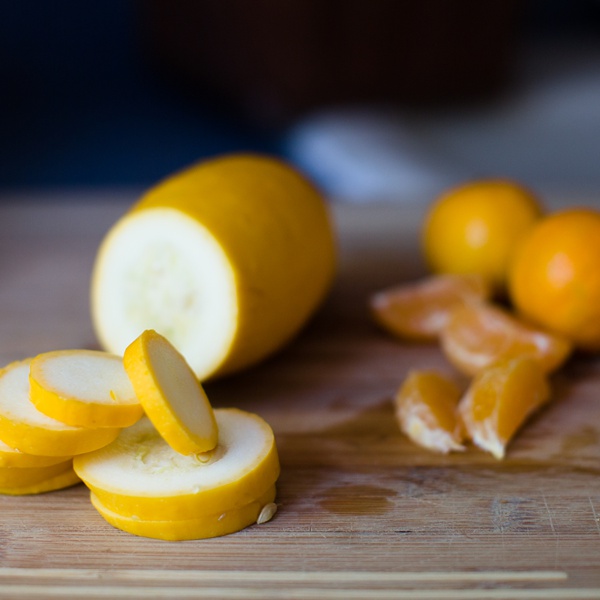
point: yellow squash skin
(275, 231)
(240, 489)
(58, 482)
(48, 438)
(10, 457)
(202, 526)
(40, 481)
(22, 476)
(175, 427)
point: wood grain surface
(363, 513)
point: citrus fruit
(474, 228)
(418, 311)
(500, 399)
(83, 388)
(555, 277)
(426, 406)
(227, 259)
(479, 334)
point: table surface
(363, 513)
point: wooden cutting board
(363, 513)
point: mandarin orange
(555, 277)
(474, 228)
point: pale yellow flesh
(24, 427)
(203, 526)
(139, 474)
(170, 393)
(83, 388)
(163, 270)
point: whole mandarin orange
(555, 277)
(474, 228)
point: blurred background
(379, 100)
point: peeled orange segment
(65, 479)
(426, 411)
(227, 259)
(83, 388)
(201, 527)
(140, 475)
(418, 311)
(24, 427)
(499, 401)
(171, 395)
(11, 457)
(479, 334)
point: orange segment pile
(478, 335)
(543, 268)
(426, 411)
(420, 310)
(499, 401)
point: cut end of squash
(160, 269)
(170, 394)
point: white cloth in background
(361, 155)
(544, 133)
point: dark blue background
(79, 104)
